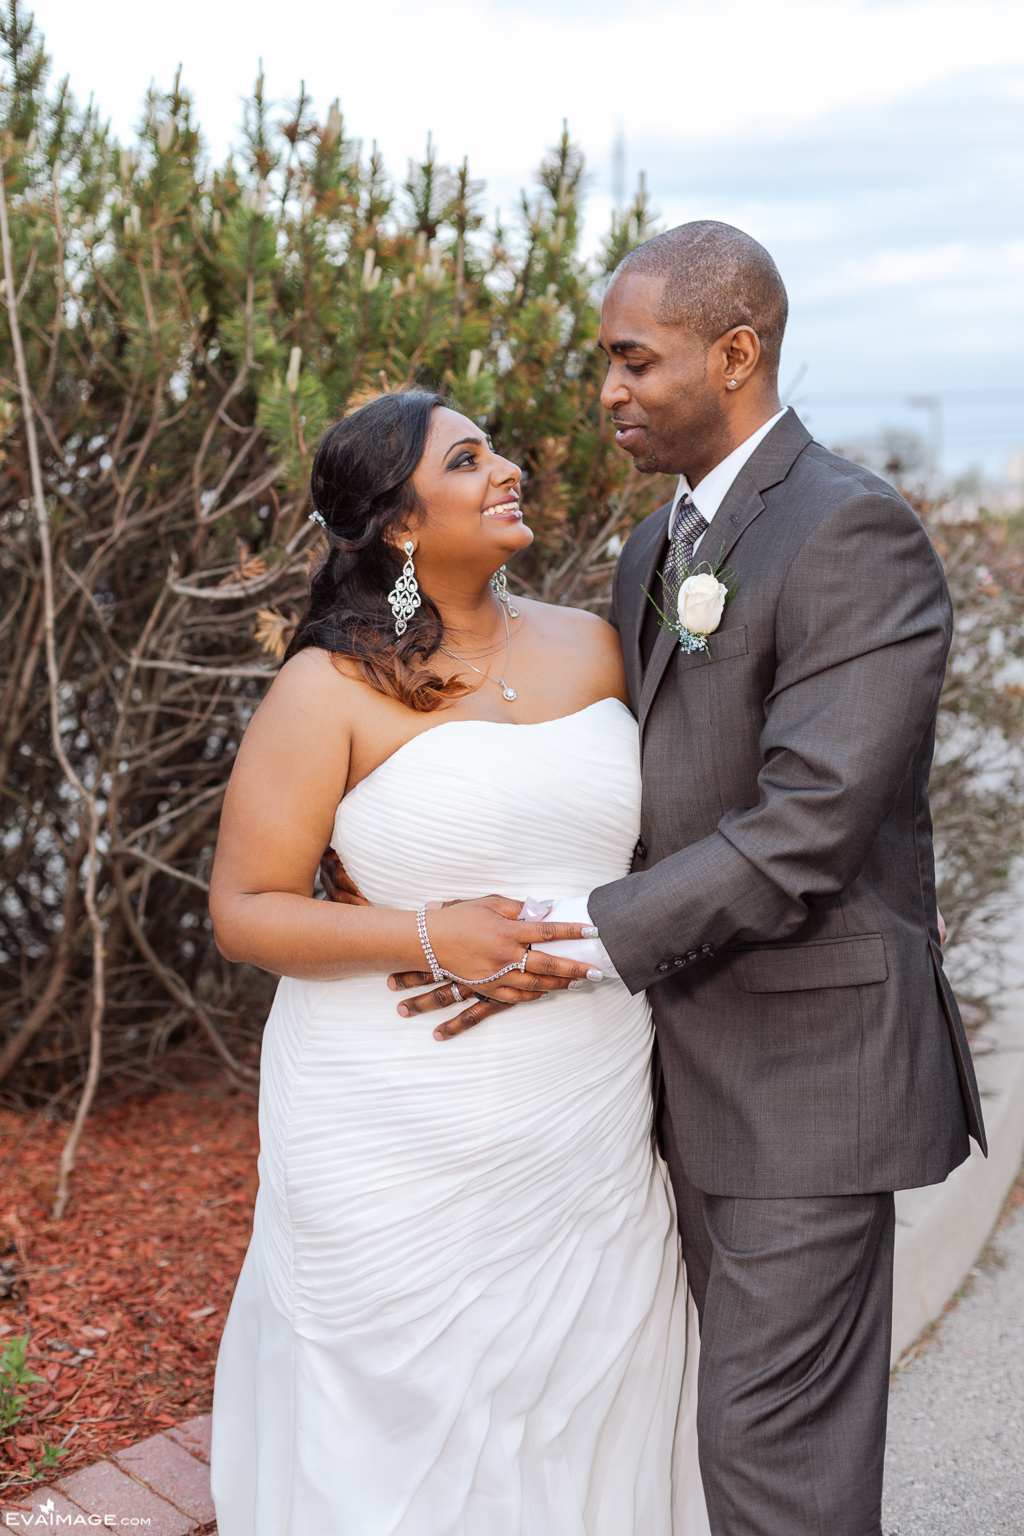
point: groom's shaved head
(715, 277)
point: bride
(462, 1312)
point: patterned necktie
(690, 524)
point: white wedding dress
(462, 1312)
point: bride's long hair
(361, 484)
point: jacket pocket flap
(721, 645)
(853, 962)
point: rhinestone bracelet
(438, 971)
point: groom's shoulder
(831, 511)
(830, 480)
(822, 487)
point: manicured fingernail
(403, 1010)
(590, 933)
(393, 984)
(574, 986)
(593, 975)
(438, 1035)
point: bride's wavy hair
(361, 484)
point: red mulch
(140, 1271)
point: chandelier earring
(405, 595)
(499, 583)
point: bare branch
(197, 671)
(168, 869)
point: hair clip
(317, 517)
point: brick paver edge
(177, 1437)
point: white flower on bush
(701, 601)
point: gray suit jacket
(781, 908)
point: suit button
(692, 956)
(663, 965)
(678, 960)
(641, 848)
(707, 949)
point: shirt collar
(710, 492)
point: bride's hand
(477, 938)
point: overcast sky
(875, 146)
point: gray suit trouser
(795, 1301)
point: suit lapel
(644, 547)
(769, 464)
(741, 504)
(663, 648)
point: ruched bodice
(471, 807)
(462, 1312)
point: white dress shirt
(708, 495)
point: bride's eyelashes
(471, 457)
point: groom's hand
(484, 1006)
(336, 882)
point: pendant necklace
(507, 691)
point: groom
(781, 907)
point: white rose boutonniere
(701, 603)
(696, 601)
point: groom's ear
(735, 356)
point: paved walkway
(161, 1486)
(955, 1455)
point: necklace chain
(507, 691)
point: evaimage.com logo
(48, 1518)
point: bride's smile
(509, 508)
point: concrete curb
(940, 1230)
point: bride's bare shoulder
(317, 685)
(572, 626)
(588, 643)
(313, 670)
